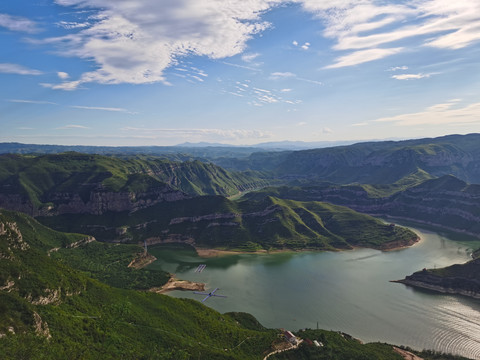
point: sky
(241, 72)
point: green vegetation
(266, 224)
(337, 346)
(109, 264)
(52, 180)
(49, 310)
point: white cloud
(72, 25)
(411, 76)
(18, 69)
(250, 57)
(448, 113)
(306, 46)
(327, 130)
(282, 75)
(63, 75)
(135, 41)
(370, 25)
(16, 23)
(363, 56)
(396, 68)
(286, 90)
(68, 85)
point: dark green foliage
(337, 346)
(109, 264)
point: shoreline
(212, 252)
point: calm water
(347, 291)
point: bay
(348, 291)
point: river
(347, 291)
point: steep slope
(50, 310)
(80, 183)
(268, 224)
(444, 202)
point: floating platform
(200, 268)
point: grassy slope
(38, 177)
(91, 320)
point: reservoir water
(347, 291)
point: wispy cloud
(396, 68)
(18, 69)
(17, 23)
(448, 113)
(411, 76)
(241, 66)
(101, 108)
(38, 102)
(369, 27)
(249, 57)
(72, 25)
(200, 134)
(287, 75)
(72, 126)
(362, 56)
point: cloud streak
(101, 108)
(18, 69)
(448, 113)
(17, 23)
(204, 134)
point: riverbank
(393, 246)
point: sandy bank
(176, 284)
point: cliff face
(457, 279)
(98, 202)
(446, 202)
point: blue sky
(163, 72)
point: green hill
(49, 310)
(383, 162)
(79, 183)
(445, 202)
(216, 222)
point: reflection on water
(348, 291)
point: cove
(347, 291)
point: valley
(103, 226)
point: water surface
(347, 291)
